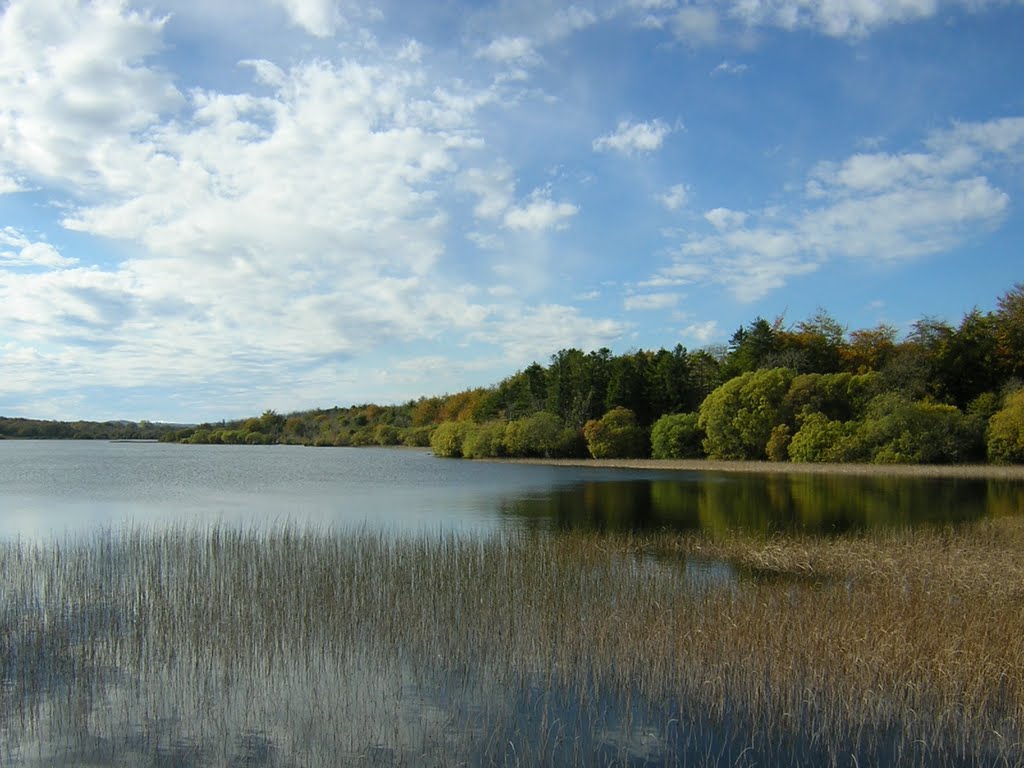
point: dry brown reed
(299, 647)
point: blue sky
(211, 209)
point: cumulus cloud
(700, 22)
(534, 332)
(495, 190)
(510, 50)
(650, 5)
(675, 197)
(9, 185)
(729, 68)
(318, 17)
(696, 24)
(283, 233)
(701, 333)
(630, 137)
(650, 301)
(539, 213)
(836, 19)
(16, 250)
(723, 218)
(73, 88)
(1002, 137)
(874, 207)
(265, 231)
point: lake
(66, 488)
(193, 606)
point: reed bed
(226, 647)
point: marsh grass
(285, 647)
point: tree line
(38, 429)
(808, 392)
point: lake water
(66, 488)
(157, 609)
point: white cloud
(700, 22)
(25, 253)
(536, 332)
(723, 218)
(630, 137)
(649, 5)
(701, 333)
(318, 17)
(1004, 136)
(267, 233)
(495, 190)
(651, 301)
(851, 19)
(281, 234)
(675, 197)
(696, 24)
(566, 21)
(9, 185)
(540, 213)
(729, 68)
(875, 207)
(510, 50)
(896, 224)
(486, 241)
(73, 89)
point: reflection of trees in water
(717, 503)
(614, 506)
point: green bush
(257, 438)
(1005, 441)
(446, 441)
(820, 439)
(385, 434)
(677, 436)
(739, 416)
(777, 448)
(897, 430)
(484, 441)
(417, 437)
(541, 434)
(363, 437)
(840, 396)
(616, 435)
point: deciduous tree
(616, 435)
(739, 416)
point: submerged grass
(287, 647)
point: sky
(211, 209)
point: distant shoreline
(971, 471)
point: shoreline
(1013, 472)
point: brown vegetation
(884, 648)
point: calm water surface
(57, 488)
(153, 648)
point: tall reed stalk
(289, 647)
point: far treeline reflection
(720, 503)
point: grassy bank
(285, 647)
(972, 471)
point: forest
(38, 429)
(810, 391)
